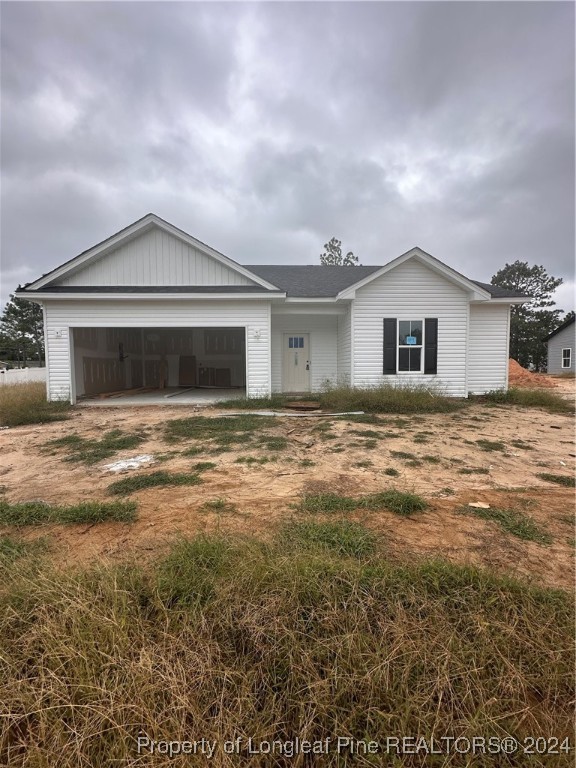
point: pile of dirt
(520, 377)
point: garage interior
(121, 362)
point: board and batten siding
(155, 258)
(564, 339)
(323, 330)
(345, 348)
(61, 316)
(411, 291)
(488, 348)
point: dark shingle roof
(565, 324)
(499, 293)
(308, 282)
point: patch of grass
(473, 471)
(399, 502)
(337, 449)
(367, 445)
(402, 455)
(26, 404)
(221, 429)
(365, 418)
(363, 464)
(409, 398)
(219, 506)
(391, 472)
(193, 451)
(413, 463)
(522, 444)
(90, 451)
(204, 466)
(274, 443)
(152, 480)
(490, 445)
(566, 480)
(366, 433)
(38, 512)
(237, 636)
(417, 439)
(252, 460)
(432, 459)
(343, 537)
(255, 403)
(512, 521)
(530, 398)
(12, 549)
(448, 491)
(307, 463)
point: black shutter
(431, 345)
(389, 346)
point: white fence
(20, 375)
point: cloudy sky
(265, 129)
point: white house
(561, 344)
(152, 306)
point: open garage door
(113, 361)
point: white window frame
(569, 350)
(409, 346)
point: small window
(410, 346)
(296, 342)
(566, 357)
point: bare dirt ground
(264, 495)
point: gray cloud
(264, 129)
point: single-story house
(152, 306)
(561, 344)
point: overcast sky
(265, 129)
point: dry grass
(386, 398)
(27, 404)
(275, 641)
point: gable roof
(565, 324)
(312, 281)
(144, 224)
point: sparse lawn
(273, 443)
(512, 521)
(238, 637)
(402, 455)
(252, 460)
(395, 501)
(490, 445)
(566, 480)
(81, 449)
(221, 431)
(219, 506)
(26, 404)
(530, 398)
(38, 513)
(12, 549)
(343, 537)
(152, 480)
(473, 471)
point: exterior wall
(488, 348)
(411, 291)
(61, 316)
(345, 348)
(155, 258)
(565, 339)
(323, 330)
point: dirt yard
(434, 455)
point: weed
(432, 459)
(512, 521)
(151, 480)
(12, 549)
(413, 463)
(203, 466)
(490, 445)
(530, 398)
(222, 429)
(27, 404)
(88, 451)
(220, 506)
(343, 537)
(473, 471)
(386, 398)
(366, 433)
(255, 403)
(252, 460)
(565, 480)
(38, 512)
(307, 463)
(391, 472)
(363, 464)
(447, 491)
(274, 443)
(402, 455)
(522, 445)
(396, 501)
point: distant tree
(532, 321)
(22, 330)
(332, 255)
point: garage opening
(170, 361)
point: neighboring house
(153, 306)
(561, 346)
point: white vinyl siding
(323, 330)
(409, 291)
(488, 348)
(565, 339)
(63, 315)
(155, 258)
(345, 348)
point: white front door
(296, 363)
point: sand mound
(520, 377)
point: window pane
(403, 331)
(291, 342)
(301, 342)
(403, 359)
(416, 330)
(415, 355)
